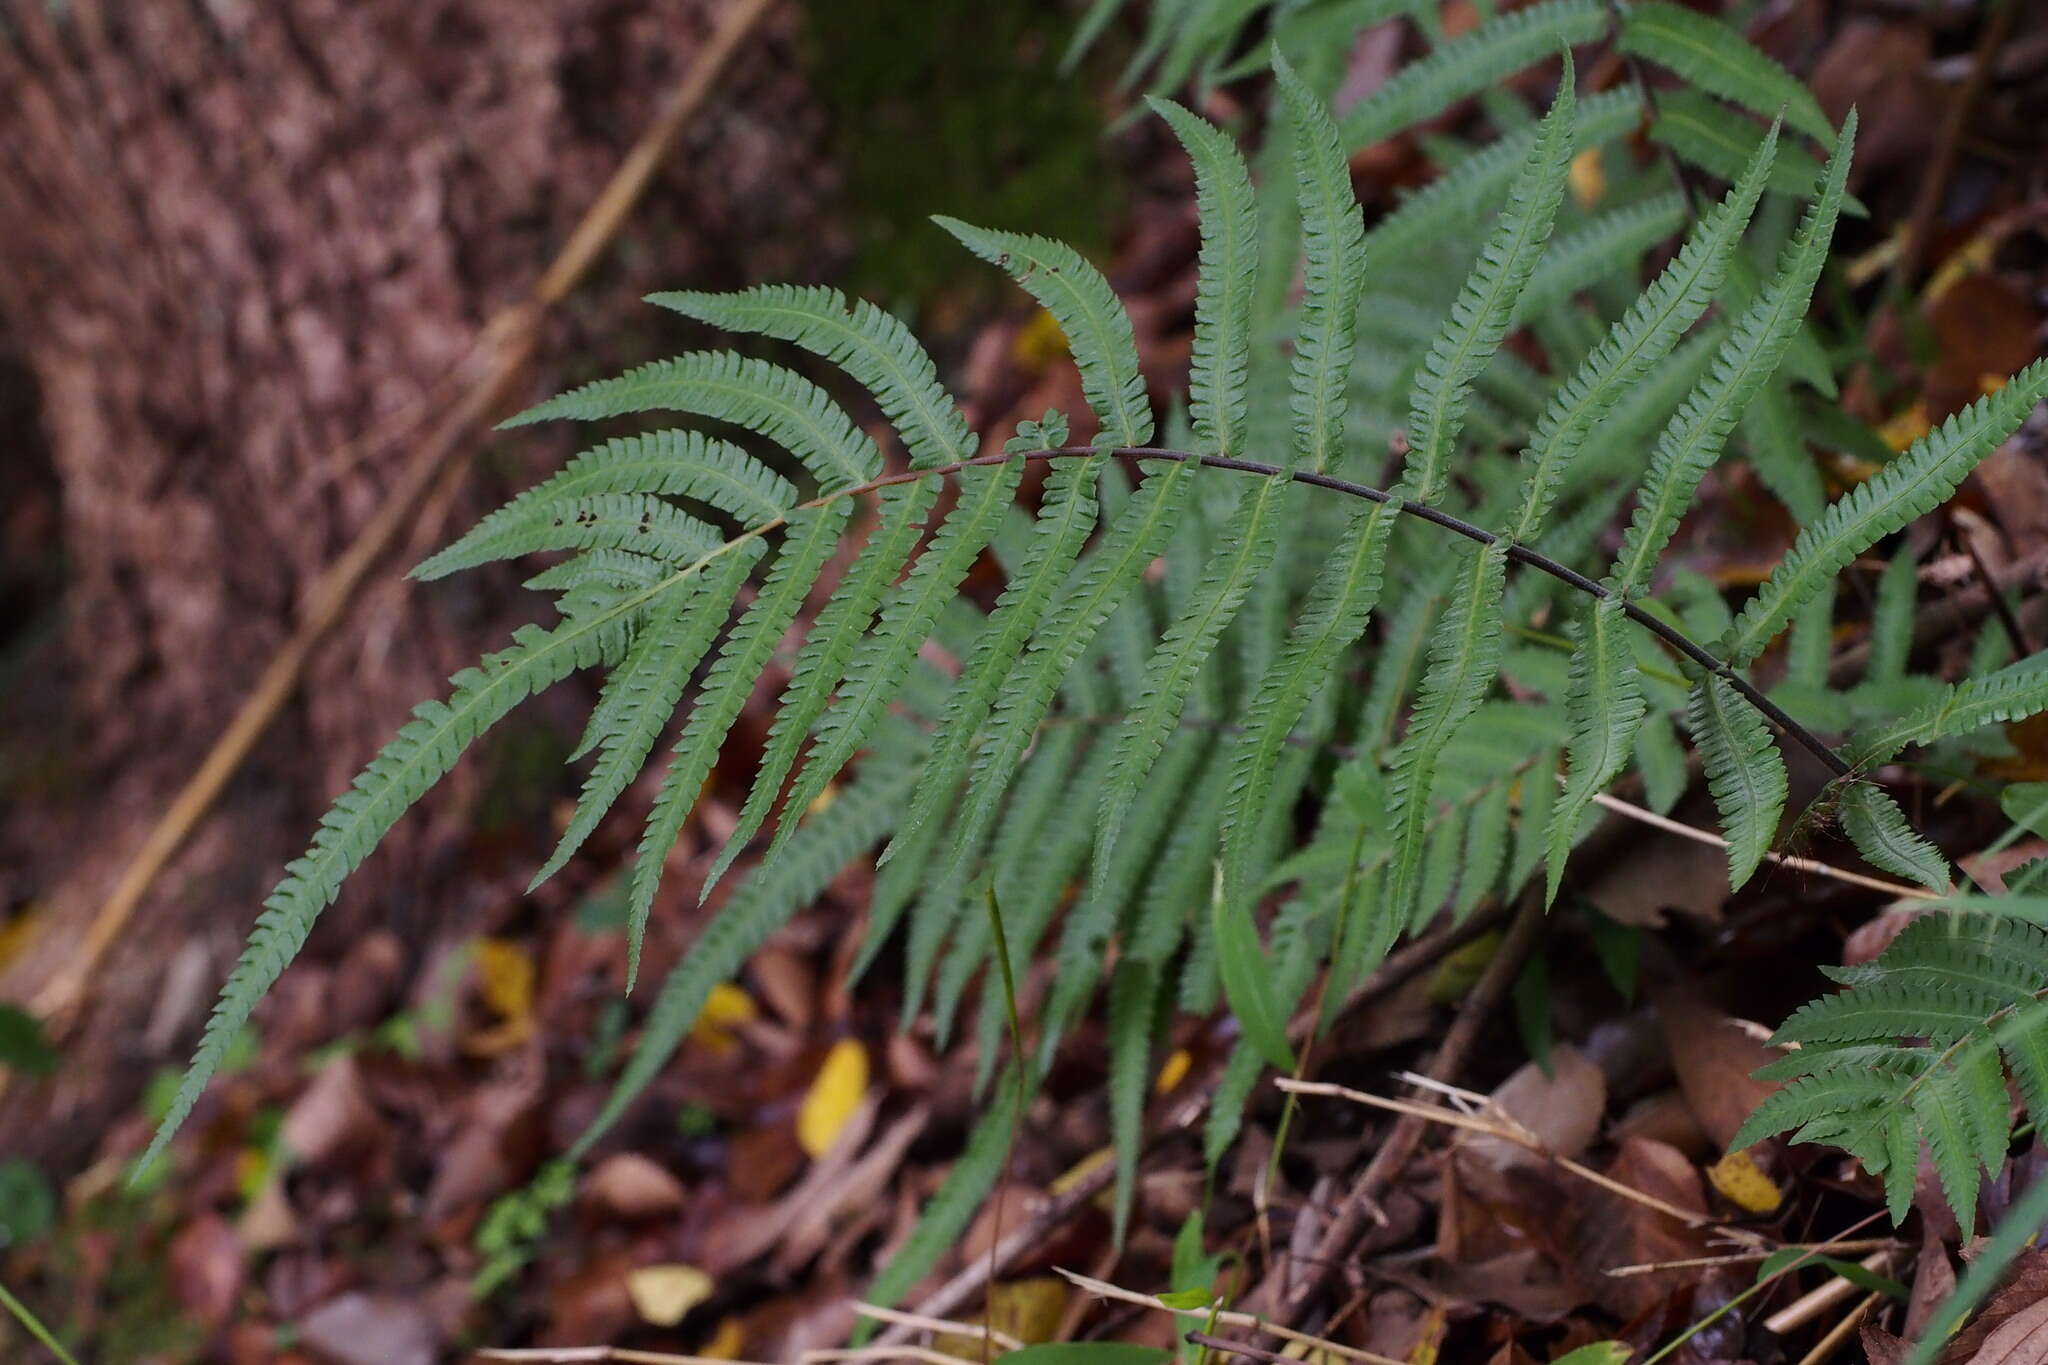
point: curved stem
(1521, 554)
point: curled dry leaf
(631, 1186)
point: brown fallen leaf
(2025, 1287)
(370, 1329)
(204, 1267)
(1562, 1110)
(1715, 1058)
(2021, 1339)
(630, 1186)
(332, 1117)
(1609, 1230)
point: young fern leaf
(1643, 337)
(1745, 772)
(1605, 704)
(1479, 319)
(1701, 131)
(415, 759)
(1133, 997)
(1713, 56)
(1879, 829)
(1465, 66)
(1696, 433)
(1910, 486)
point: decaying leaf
(834, 1094)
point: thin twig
(484, 376)
(899, 1352)
(1239, 1348)
(1506, 1132)
(1763, 1253)
(595, 1355)
(1222, 1318)
(919, 1322)
(1818, 1300)
(1899, 890)
(1839, 1333)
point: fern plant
(1143, 741)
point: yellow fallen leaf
(1743, 1182)
(1039, 343)
(1082, 1169)
(1588, 178)
(505, 981)
(664, 1294)
(1029, 1310)
(16, 933)
(1430, 1340)
(1906, 427)
(725, 1007)
(834, 1094)
(1174, 1070)
(726, 1340)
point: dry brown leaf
(1611, 1230)
(2026, 1285)
(2021, 1339)
(204, 1267)
(370, 1329)
(332, 1116)
(1562, 1110)
(628, 1185)
(1716, 1058)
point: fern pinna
(1120, 754)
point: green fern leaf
(861, 816)
(822, 662)
(1880, 832)
(813, 535)
(1479, 319)
(766, 399)
(416, 758)
(1606, 706)
(2012, 693)
(1220, 368)
(1915, 483)
(1744, 770)
(1642, 338)
(1891, 619)
(1466, 66)
(1464, 658)
(1333, 274)
(1693, 439)
(1585, 256)
(1713, 56)
(1097, 327)
(642, 693)
(669, 463)
(1133, 994)
(869, 344)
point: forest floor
(1554, 1177)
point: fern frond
(766, 399)
(1703, 132)
(1891, 619)
(637, 522)
(1693, 439)
(813, 534)
(667, 463)
(416, 758)
(1220, 369)
(1332, 276)
(1465, 66)
(883, 659)
(1097, 327)
(1479, 319)
(1644, 336)
(1744, 770)
(1133, 995)
(822, 662)
(868, 343)
(1605, 703)
(1971, 986)
(1464, 657)
(1586, 255)
(1777, 451)
(2012, 693)
(642, 693)
(1713, 56)
(1446, 204)
(1915, 483)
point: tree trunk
(244, 241)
